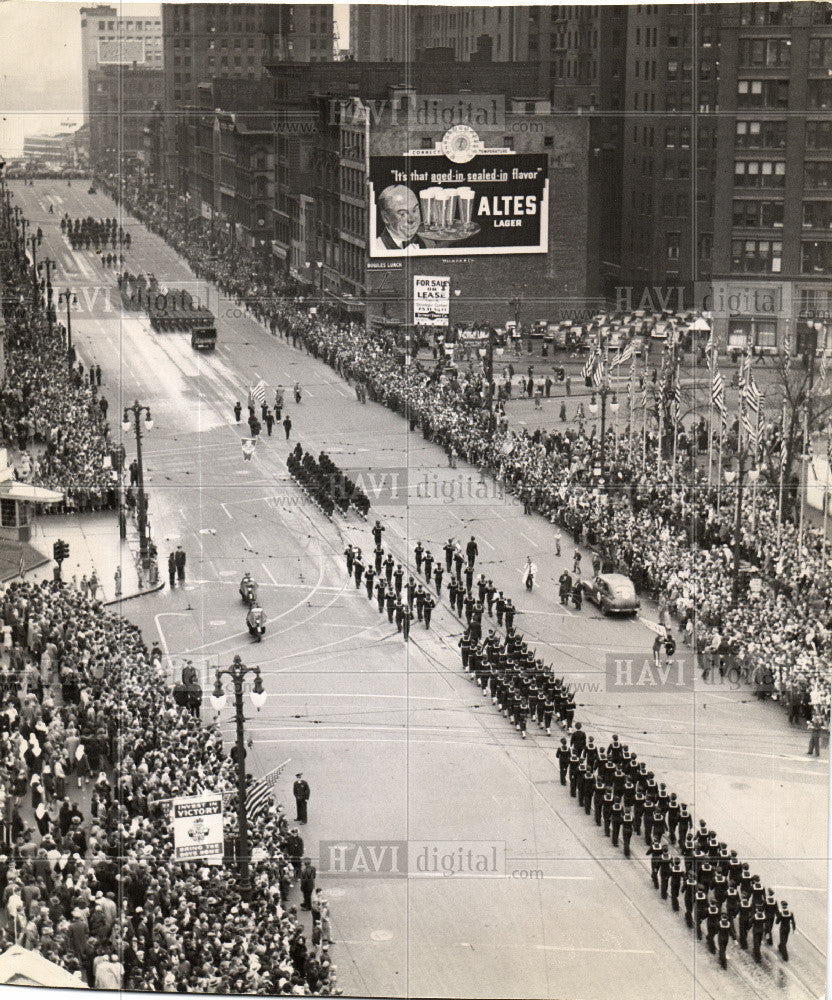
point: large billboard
(423, 204)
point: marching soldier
(465, 649)
(758, 931)
(407, 618)
(419, 600)
(713, 926)
(500, 607)
(725, 932)
(616, 821)
(381, 593)
(690, 898)
(369, 576)
(437, 578)
(378, 557)
(399, 612)
(745, 919)
(672, 817)
(771, 908)
(574, 764)
(398, 576)
(785, 920)
(358, 568)
(627, 831)
(418, 554)
(654, 852)
(389, 564)
(665, 868)
(349, 553)
(378, 531)
(430, 604)
(677, 873)
(701, 908)
(563, 756)
(428, 564)
(390, 600)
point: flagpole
(710, 429)
(825, 509)
(632, 416)
(719, 461)
(780, 477)
(804, 480)
(675, 417)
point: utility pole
(135, 411)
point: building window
(765, 51)
(763, 93)
(815, 302)
(819, 94)
(760, 173)
(739, 334)
(758, 214)
(761, 135)
(670, 138)
(817, 214)
(756, 256)
(765, 335)
(756, 14)
(672, 69)
(817, 174)
(706, 244)
(816, 258)
(819, 135)
(8, 518)
(671, 242)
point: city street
(396, 741)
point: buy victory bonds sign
(427, 203)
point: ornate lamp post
(133, 414)
(237, 673)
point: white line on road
(606, 951)
(248, 543)
(267, 571)
(531, 541)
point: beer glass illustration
(465, 196)
(427, 201)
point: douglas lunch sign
(459, 198)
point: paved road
(397, 743)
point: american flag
(676, 402)
(750, 401)
(257, 393)
(787, 350)
(718, 390)
(257, 797)
(591, 363)
(625, 355)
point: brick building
(121, 100)
(773, 253)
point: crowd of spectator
(90, 882)
(51, 408)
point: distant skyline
(40, 56)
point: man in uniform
(369, 576)
(398, 577)
(615, 823)
(300, 790)
(562, 755)
(430, 604)
(713, 926)
(452, 592)
(574, 764)
(381, 591)
(390, 600)
(500, 607)
(690, 898)
(758, 932)
(654, 852)
(437, 578)
(419, 600)
(745, 918)
(418, 554)
(428, 565)
(725, 932)
(378, 531)
(449, 553)
(627, 831)
(389, 564)
(785, 920)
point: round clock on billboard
(460, 143)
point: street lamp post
(48, 263)
(71, 299)
(35, 242)
(730, 475)
(135, 411)
(603, 390)
(237, 673)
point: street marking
(267, 571)
(606, 951)
(248, 543)
(531, 541)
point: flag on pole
(625, 355)
(257, 797)
(591, 362)
(718, 390)
(257, 393)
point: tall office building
(397, 32)
(110, 39)
(207, 41)
(773, 248)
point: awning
(15, 490)
(20, 967)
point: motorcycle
(248, 591)
(256, 622)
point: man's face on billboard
(401, 213)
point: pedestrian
(307, 883)
(472, 551)
(180, 563)
(287, 425)
(816, 727)
(576, 561)
(300, 790)
(558, 539)
(529, 572)
(172, 569)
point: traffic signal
(60, 551)
(588, 381)
(560, 374)
(670, 645)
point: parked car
(613, 593)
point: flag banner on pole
(625, 355)
(718, 390)
(598, 373)
(258, 392)
(589, 366)
(677, 401)
(257, 797)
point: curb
(137, 593)
(26, 569)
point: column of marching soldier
(717, 889)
